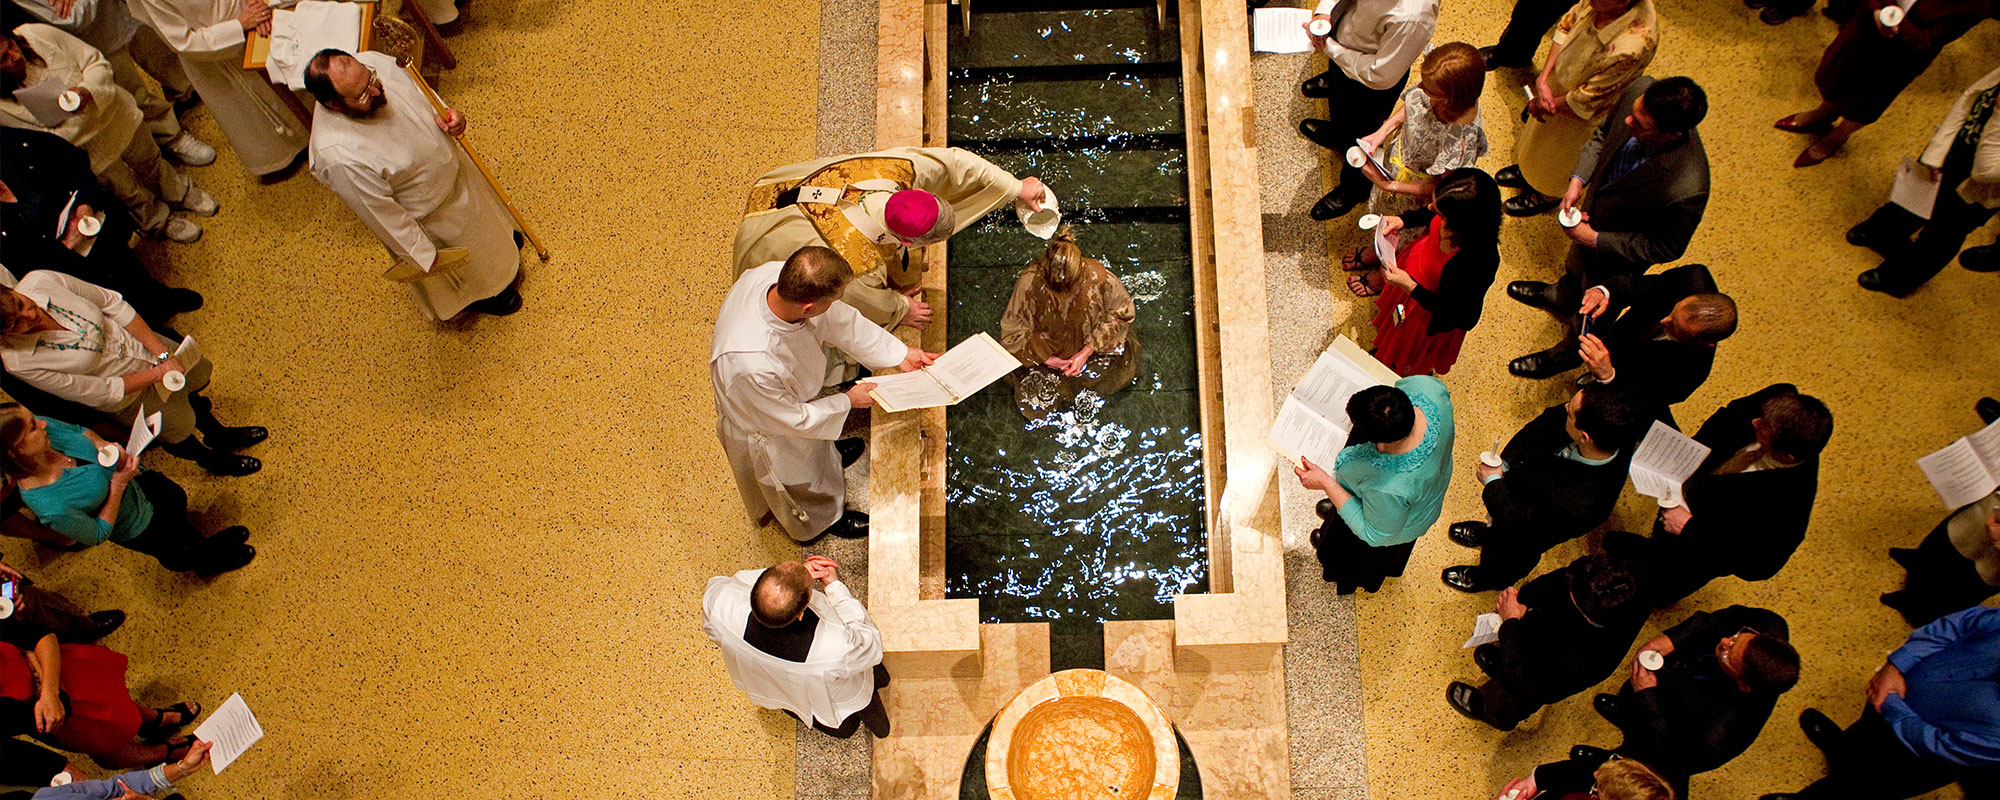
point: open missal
(1313, 424)
(956, 375)
(1666, 458)
(1967, 469)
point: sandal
(177, 748)
(1359, 285)
(1357, 261)
(188, 711)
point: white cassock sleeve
(369, 196)
(864, 640)
(864, 341)
(768, 408)
(191, 39)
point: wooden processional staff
(438, 105)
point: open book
(1666, 458)
(956, 375)
(1313, 424)
(1967, 469)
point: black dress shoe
(1608, 707)
(1324, 508)
(1861, 235)
(236, 558)
(851, 525)
(1487, 658)
(1467, 533)
(1547, 363)
(1460, 578)
(102, 623)
(1490, 52)
(1984, 258)
(1334, 205)
(1903, 555)
(230, 464)
(850, 450)
(1773, 16)
(1465, 700)
(1530, 204)
(1539, 294)
(232, 535)
(1510, 177)
(235, 438)
(181, 301)
(519, 240)
(1584, 752)
(1322, 133)
(1874, 281)
(499, 305)
(1987, 408)
(1820, 730)
(1318, 87)
(1314, 539)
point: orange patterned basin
(1082, 734)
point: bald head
(780, 594)
(342, 83)
(814, 274)
(1707, 318)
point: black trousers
(1506, 555)
(1503, 707)
(171, 538)
(1523, 35)
(1349, 563)
(1354, 111)
(1868, 762)
(1938, 240)
(1941, 581)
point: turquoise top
(1398, 497)
(70, 505)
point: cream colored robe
(776, 430)
(260, 128)
(87, 360)
(104, 126)
(418, 192)
(972, 185)
(836, 680)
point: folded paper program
(311, 26)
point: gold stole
(861, 252)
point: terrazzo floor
(481, 543)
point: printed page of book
(1280, 30)
(1301, 432)
(908, 390)
(1336, 376)
(974, 363)
(1664, 461)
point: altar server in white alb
(768, 364)
(209, 36)
(379, 145)
(795, 639)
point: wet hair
(1770, 664)
(1469, 201)
(1610, 415)
(1379, 414)
(814, 274)
(1625, 779)
(320, 84)
(12, 427)
(7, 83)
(1800, 424)
(1061, 263)
(1456, 73)
(1712, 315)
(779, 594)
(1677, 104)
(1606, 588)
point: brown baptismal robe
(1041, 323)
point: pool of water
(1096, 512)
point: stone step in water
(1041, 38)
(1005, 107)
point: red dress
(1410, 348)
(102, 717)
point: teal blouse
(1398, 497)
(70, 505)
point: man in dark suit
(1721, 675)
(1563, 632)
(1746, 508)
(1660, 349)
(1642, 183)
(1559, 477)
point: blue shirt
(70, 505)
(1398, 497)
(1951, 709)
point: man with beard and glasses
(384, 151)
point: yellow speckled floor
(481, 545)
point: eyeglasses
(1729, 645)
(374, 82)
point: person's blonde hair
(1455, 73)
(1625, 779)
(1061, 263)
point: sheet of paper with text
(1280, 30)
(232, 729)
(1665, 459)
(1967, 469)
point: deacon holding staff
(392, 160)
(767, 364)
(872, 209)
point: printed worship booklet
(1313, 424)
(1967, 469)
(1666, 458)
(956, 375)
(232, 729)
(1280, 30)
